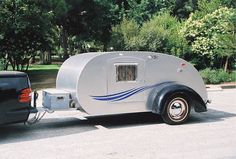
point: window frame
(126, 64)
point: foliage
(206, 7)
(183, 8)
(212, 36)
(49, 27)
(125, 35)
(143, 10)
(216, 76)
(1, 64)
(200, 31)
(90, 19)
(24, 30)
(160, 34)
(233, 76)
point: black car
(15, 97)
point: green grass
(40, 67)
(44, 67)
(43, 76)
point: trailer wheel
(176, 109)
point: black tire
(176, 109)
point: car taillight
(25, 95)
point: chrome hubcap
(177, 109)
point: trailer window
(126, 72)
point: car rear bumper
(17, 116)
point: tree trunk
(45, 58)
(12, 63)
(65, 44)
(226, 64)
(32, 60)
(105, 46)
(6, 64)
(25, 64)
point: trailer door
(126, 79)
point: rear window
(17, 83)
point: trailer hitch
(35, 97)
(38, 111)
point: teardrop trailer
(125, 82)
(128, 82)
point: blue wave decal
(114, 96)
(125, 94)
(130, 94)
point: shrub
(1, 64)
(233, 76)
(159, 34)
(124, 36)
(216, 76)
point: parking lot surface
(67, 134)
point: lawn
(43, 67)
(43, 76)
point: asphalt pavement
(67, 134)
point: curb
(220, 87)
(211, 88)
(228, 86)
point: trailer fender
(160, 94)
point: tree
(58, 10)
(88, 20)
(125, 36)
(25, 29)
(183, 8)
(227, 47)
(160, 34)
(212, 35)
(143, 10)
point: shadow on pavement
(46, 128)
(210, 116)
(140, 119)
(126, 120)
(54, 127)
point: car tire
(176, 109)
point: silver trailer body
(98, 85)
